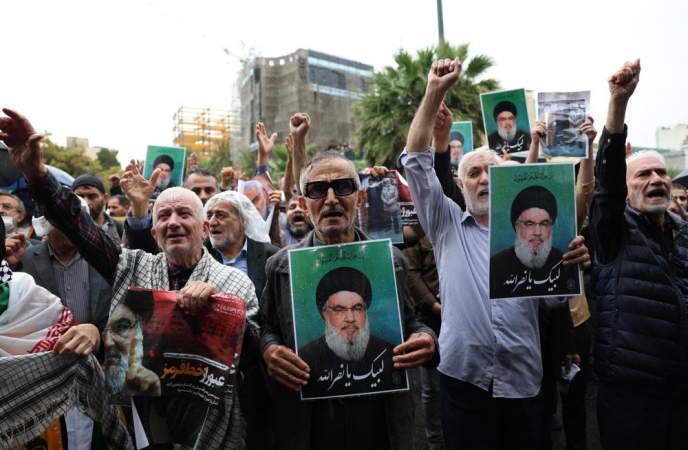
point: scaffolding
(205, 131)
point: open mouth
(484, 194)
(175, 235)
(298, 219)
(332, 215)
(657, 193)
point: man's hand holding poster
(170, 353)
(346, 319)
(532, 222)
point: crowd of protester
(491, 371)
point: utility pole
(440, 20)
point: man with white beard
(343, 298)
(507, 137)
(166, 165)
(533, 213)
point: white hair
(475, 154)
(179, 193)
(645, 154)
(256, 228)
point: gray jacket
(292, 417)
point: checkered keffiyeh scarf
(36, 389)
(224, 427)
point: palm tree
(384, 115)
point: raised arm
(289, 170)
(60, 205)
(265, 145)
(585, 185)
(299, 124)
(139, 223)
(610, 168)
(443, 75)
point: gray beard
(507, 135)
(347, 350)
(474, 205)
(162, 184)
(115, 375)
(532, 258)
(455, 161)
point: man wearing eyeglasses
(332, 196)
(507, 137)
(533, 213)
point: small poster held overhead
(170, 161)
(563, 114)
(507, 125)
(346, 319)
(532, 222)
(380, 215)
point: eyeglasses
(121, 329)
(342, 310)
(530, 225)
(319, 189)
(7, 207)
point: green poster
(532, 222)
(171, 162)
(346, 318)
(461, 138)
(507, 125)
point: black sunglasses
(319, 189)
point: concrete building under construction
(205, 131)
(325, 87)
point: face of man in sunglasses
(333, 216)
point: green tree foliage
(385, 114)
(108, 160)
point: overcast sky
(116, 72)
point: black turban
(504, 106)
(533, 197)
(456, 136)
(343, 279)
(166, 159)
(141, 303)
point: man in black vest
(641, 282)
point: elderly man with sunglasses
(332, 196)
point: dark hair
(202, 173)
(122, 199)
(343, 279)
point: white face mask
(41, 226)
(10, 225)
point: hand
(265, 144)
(290, 145)
(114, 179)
(193, 296)
(299, 125)
(141, 381)
(226, 177)
(80, 340)
(378, 172)
(537, 132)
(15, 246)
(578, 254)
(443, 124)
(24, 145)
(138, 189)
(285, 367)
(420, 348)
(139, 165)
(275, 197)
(191, 162)
(570, 360)
(443, 75)
(589, 129)
(506, 156)
(623, 82)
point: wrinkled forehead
(479, 162)
(645, 163)
(178, 205)
(223, 205)
(330, 169)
